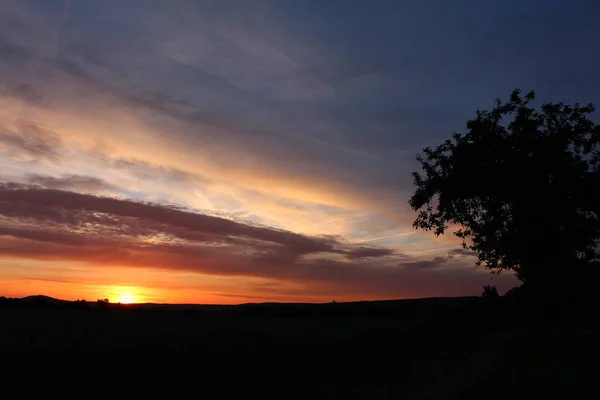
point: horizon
(231, 304)
(254, 151)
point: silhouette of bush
(102, 303)
(489, 292)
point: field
(415, 349)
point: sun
(126, 298)
(125, 294)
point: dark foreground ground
(466, 348)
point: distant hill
(41, 297)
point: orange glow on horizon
(126, 295)
(126, 298)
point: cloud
(49, 224)
(266, 110)
(13, 53)
(147, 224)
(28, 141)
(434, 263)
(26, 92)
(461, 252)
(219, 112)
(150, 172)
(79, 183)
(368, 252)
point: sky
(249, 151)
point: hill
(39, 298)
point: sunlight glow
(126, 298)
(125, 295)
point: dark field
(414, 349)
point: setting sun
(125, 295)
(126, 298)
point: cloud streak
(49, 224)
(79, 183)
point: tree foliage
(521, 186)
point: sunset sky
(246, 151)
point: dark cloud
(175, 226)
(32, 142)
(49, 224)
(434, 263)
(368, 252)
(79, 183)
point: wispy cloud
(79, 183)
(28, 141)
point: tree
(522, 187)
(489, 292)
(102, 303)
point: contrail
(383, 237)
(430, 250)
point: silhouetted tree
(102, 303)
(522, 186)
(489, 291)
